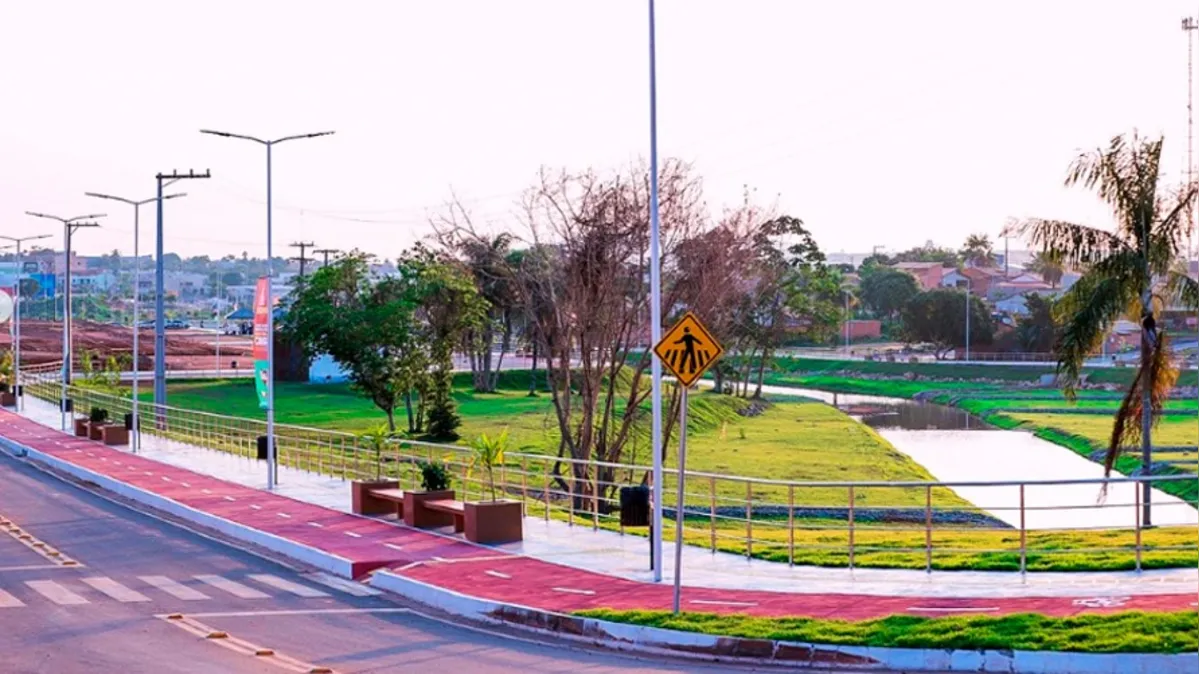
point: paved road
(91, 586)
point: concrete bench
(377, 498)
(455, 508)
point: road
(88, 584)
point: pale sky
(876, 122)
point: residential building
(982, 279)
(954, 279)
(927, 274)
(186, 286)
(92, 281)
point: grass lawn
(952, 370)
(1171, 431)
(1130, 632)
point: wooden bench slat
(388, 494)
(447, 506)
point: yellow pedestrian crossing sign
(688, 349)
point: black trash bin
(68, 405)
(262, 447)
(129, 421)
(634, 506)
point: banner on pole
(261, 353)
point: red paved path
(495, 574)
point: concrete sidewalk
(626, 556)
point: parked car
(176, 324)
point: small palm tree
(1049, 266)
(489, 453)
(1132, 270)
(977, 251)
(376, 439)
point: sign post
(687, 350)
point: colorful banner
(261, 369)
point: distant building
(91, 281)
(927, 274)
(954, 279)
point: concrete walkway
(578, 548)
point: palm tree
(1132, 270)
(977, 251)
(1049, 266)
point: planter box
(94, 430)
(114, 434)
(8, 399)
(494, 521)
(364, 504)
(416, 515)
(81, 428)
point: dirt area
(41, 342)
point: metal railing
(915, 524)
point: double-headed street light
(270, 304)
(16, 318)
(69, 226)
(137, 278)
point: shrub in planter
(493, 521)
(433, 476)
(98, 415)
(435, 483)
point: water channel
(956, 446)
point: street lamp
(270, 305)
(137, 278)
(69, 226)
(16, 298)
(967, 319)
(655, 309)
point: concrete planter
(95, 430)
(416, 515)
(8, 398)
(364, 504)
(493, 522)
(114, 434)
(81, 429)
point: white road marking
(953, 609)
(318, 525)
(255, 506)
(56, 593)
(284, 515)
(313, 611)
(497, 574)
(393, 546)
(174, 589)
(165, 478)
(115, 590)
(343, 585)
(205, 491)
(230, 498)
(352, 534)
(713, 602)
(185, 484)
(9, 601)
(148, 473)
(571, 590)
(233, 587)
(287, 586)
(32, 567)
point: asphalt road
(110, 612)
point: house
(184, 285)
(927, 274)
(954, 279)
(92, 281)
(981, 279)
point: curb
(705, 647)
(312, 556)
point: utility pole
(302, 245)
(160, 335)
(326, 252)
(1190, 25)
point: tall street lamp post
(69, 227)
(137, 278)
(270, 304)
(655, 307)
(16, 299)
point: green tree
(1130, 270)
(1038, 330)
(1049, 266)
(887, 291)
(938, 317)
(977, 251)
(929, 252)
(365, 325)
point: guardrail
(913, 524)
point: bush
(443, 421)
(98, 415)
(433, 476)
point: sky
(878, 123)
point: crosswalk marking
(55, 592)
(174, 589)
(232, 587)
(287, 586)
(9, 601)
(343, 585)
(115, 590)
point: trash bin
(262, 447)
(634, 506)
(129, 421)
(68, 405)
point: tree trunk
(761, 374)
(391, 419)
(408, 408)
(1146, 417)
(533, 373)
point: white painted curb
(659, 641)
(303, 553)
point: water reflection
(884, 413)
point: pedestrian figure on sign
(689, 342)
